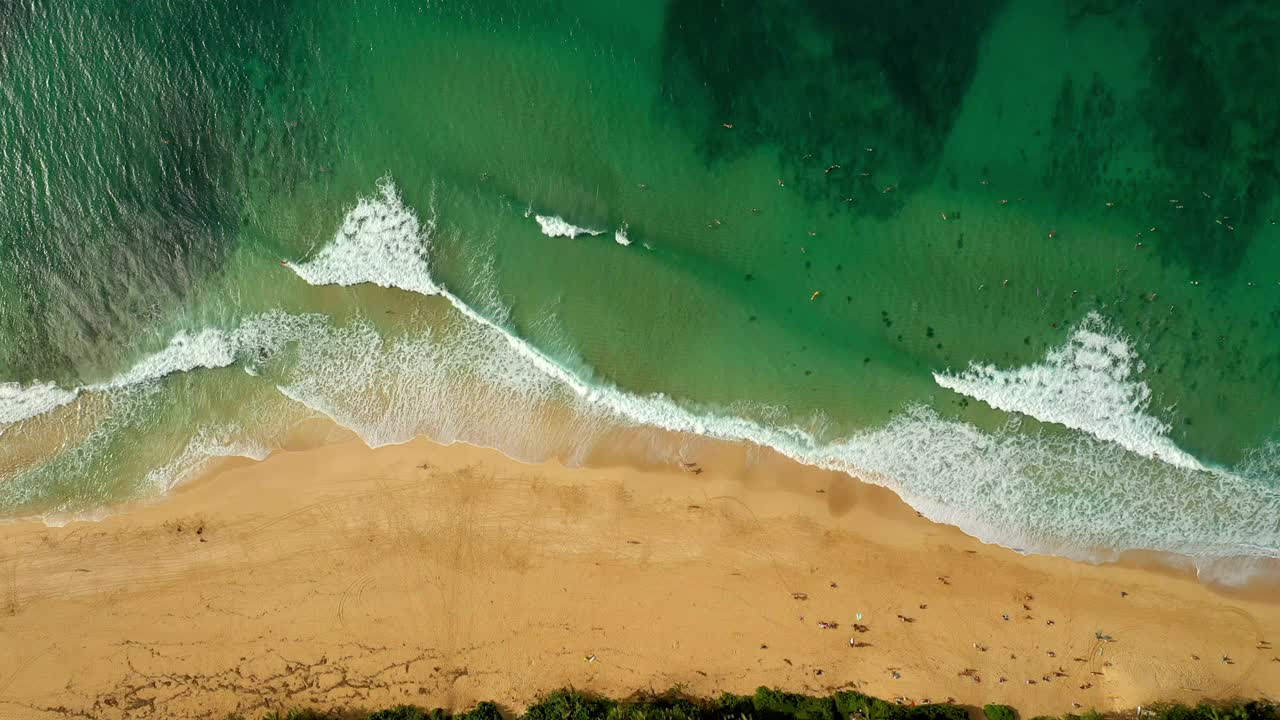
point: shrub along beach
(767, 704)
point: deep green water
(833, 209)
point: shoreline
(743, 459)
(442, 575)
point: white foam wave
(18, 402)
(209, 348)
(462, 382)
(381, 241)
(63, 519)
(1089, 384)
(620, 236)
(553, 226)
(200, 451)
(64, 478)
(411, 276)
(121, 447)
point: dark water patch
(13, 16)
(1078, 10)
(1214, 118)
(857, 97)
(1084, 139)
(134, 131)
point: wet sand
(340, 576)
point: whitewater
(1089, 384)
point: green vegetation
(766, 704)
(999, 712)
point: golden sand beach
(340, 576)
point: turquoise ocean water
(1016, 260)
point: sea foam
(381, 242)
(407, 268)
(553, 226)
(185, 351)
(19, 402)
(1089, 384)
(209, 348)
(93, 463)
(206, 446)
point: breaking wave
(18, 402)
(553, 226)
(1089, 384)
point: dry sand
(346, 577)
